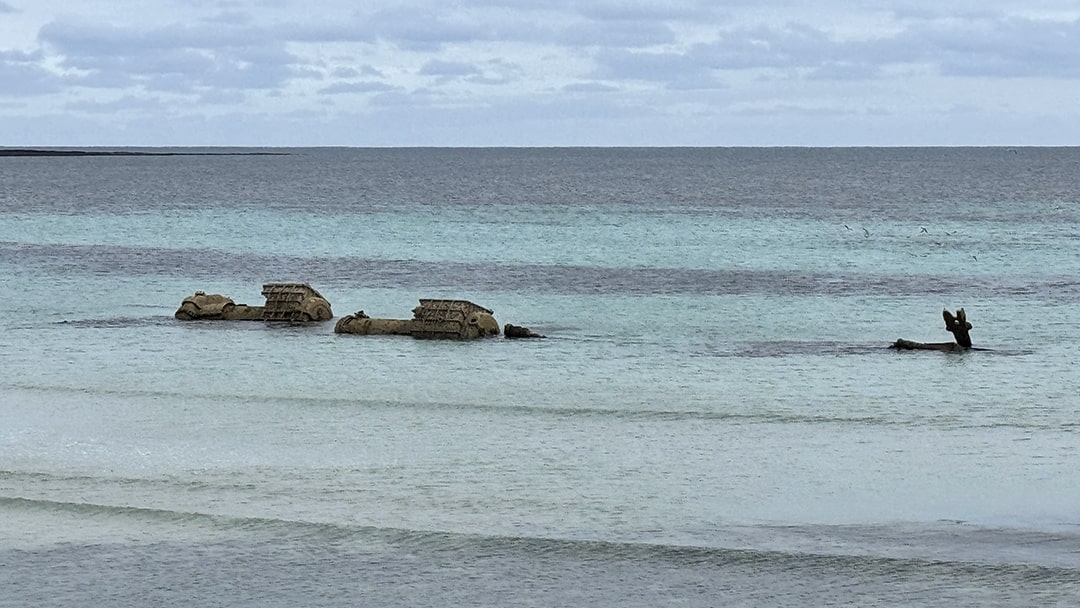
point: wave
(749, 416)
(83, 509)
(118, 322)
(870, 549)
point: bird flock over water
(922, 230)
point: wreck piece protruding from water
(361, 324)
(517, 331)
(453, 319)
(295, 302)
(213, 306)
(290, 302)
(433, 319)
(956, 324)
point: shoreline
(39, 152)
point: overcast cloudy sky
(539, 72)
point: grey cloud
(347, 72)
(978, 46)
(223, 98)
(347, 31)
(688, 83)
(792, 110)
(501, 121)
(589, 87)
(100, 79)
(738, 49)
(21, 80)
(644, 10)
(497, 71)
(424, 31)
(399, 98)
(492, 72)
(437, 67)
(634, 34)
(23, 75)
(7, 8)
(1006, 48)
(356, 87)
(995, 47)
(638, 49)
(230, 17)
(763, 47)
(615, 9)
(428, 31)
(844, 70)
(175, 57)
(405, 27)
(71, 36)
(648, 66)
(20, 57)
(126, 103)
(554, 108)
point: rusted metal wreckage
(289, 302)
(300, 303)
(434, 320)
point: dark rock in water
(956, 324)
(903, 344)
(515, 331)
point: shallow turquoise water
(715, 375)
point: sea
(713, 418)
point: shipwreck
(288, 302)
(432, 319)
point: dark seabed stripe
(109, 260)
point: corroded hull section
(432, 320)
(291, 302)
(366, 326)
(203, 306)
(295, 302)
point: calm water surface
(714, 418)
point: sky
(539, 73)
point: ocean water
(714, 418)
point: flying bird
(924, 230)
(866, 233)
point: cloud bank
(507, 72)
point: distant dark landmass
(38, 152)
